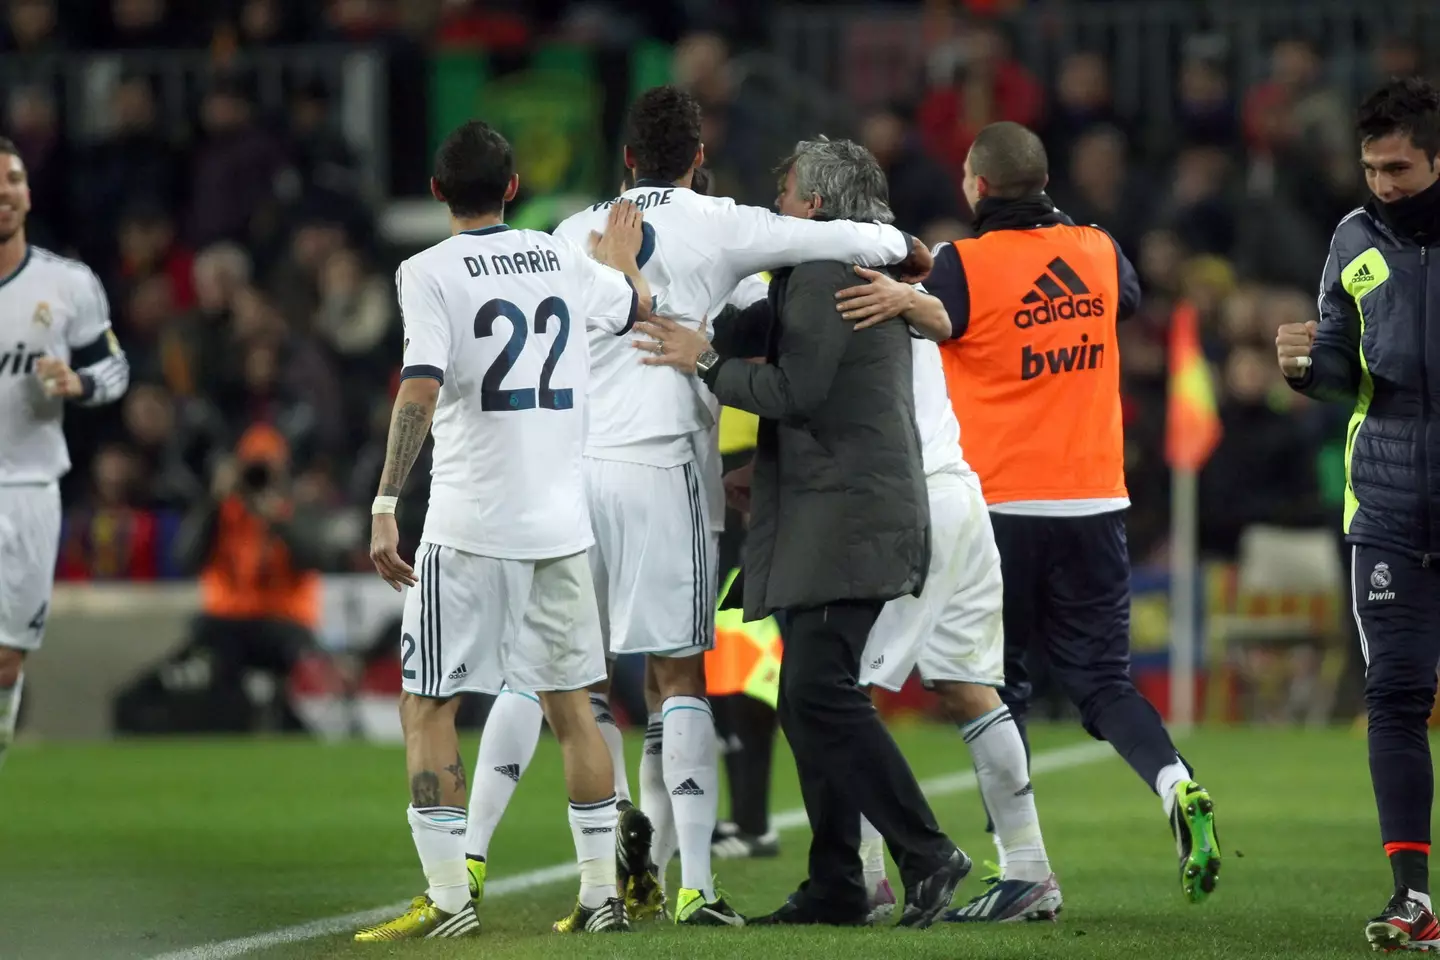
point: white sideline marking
(1060, 759)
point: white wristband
(383, 505)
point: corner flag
(1192, 427)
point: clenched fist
(1292, 347)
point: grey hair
(844, 175)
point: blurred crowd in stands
(248, 285)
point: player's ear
(628, 157)
(435, 191)
(513, 187)
(982, 186)
(700, 156)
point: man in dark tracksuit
(1377, 345)
(838, 447)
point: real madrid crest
(42, 314)
(1381, 577)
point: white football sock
(1003, 772)
(655, 799)
(507, 744)
(9, 714)
(692, 775)
(439, 834)
(610, 733)
(872, 854)
(593, 827)
(1167, 780)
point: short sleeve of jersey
(610, 302)
(92, 312)
(427, 327)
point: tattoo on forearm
(408, 426)
(425, 789)
(457, 770)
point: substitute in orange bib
(1033, 373)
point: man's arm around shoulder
(813, 339)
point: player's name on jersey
(644, 201)
(521, 261)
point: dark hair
(473, 168)
(8, 148)
(664, 133)
(1406, 106)
(700, 181)
(1012, 158)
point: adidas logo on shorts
(458, 673)
(688, 789)
(511, 770)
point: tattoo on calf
(457, 770)
(425, 789)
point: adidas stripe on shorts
(474, 624)
(653, 558)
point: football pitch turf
(142, 849)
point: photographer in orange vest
(258, 560)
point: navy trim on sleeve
(1128, 279)
(647, 244)
(634, 309)
(87, 386)
(947, 283)
(419, 370)
(93, 352)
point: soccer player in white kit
(656, 499)
(953, 632)
(501, 591)
(55, 345)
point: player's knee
(417, 712)
(679, 676)
(566, 711)
(11, 660)
(1402, 700)
(967, 701)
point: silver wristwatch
(706, 361)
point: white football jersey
(934, 416)
(696, 250)
(50, 306)
(747, 291)
(499, 316)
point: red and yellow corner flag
(1192, 427)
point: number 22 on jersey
(496, 398)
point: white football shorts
(954, 630)
(475, 624)
(29, 546)
(654, 557)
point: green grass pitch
(139, 849)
